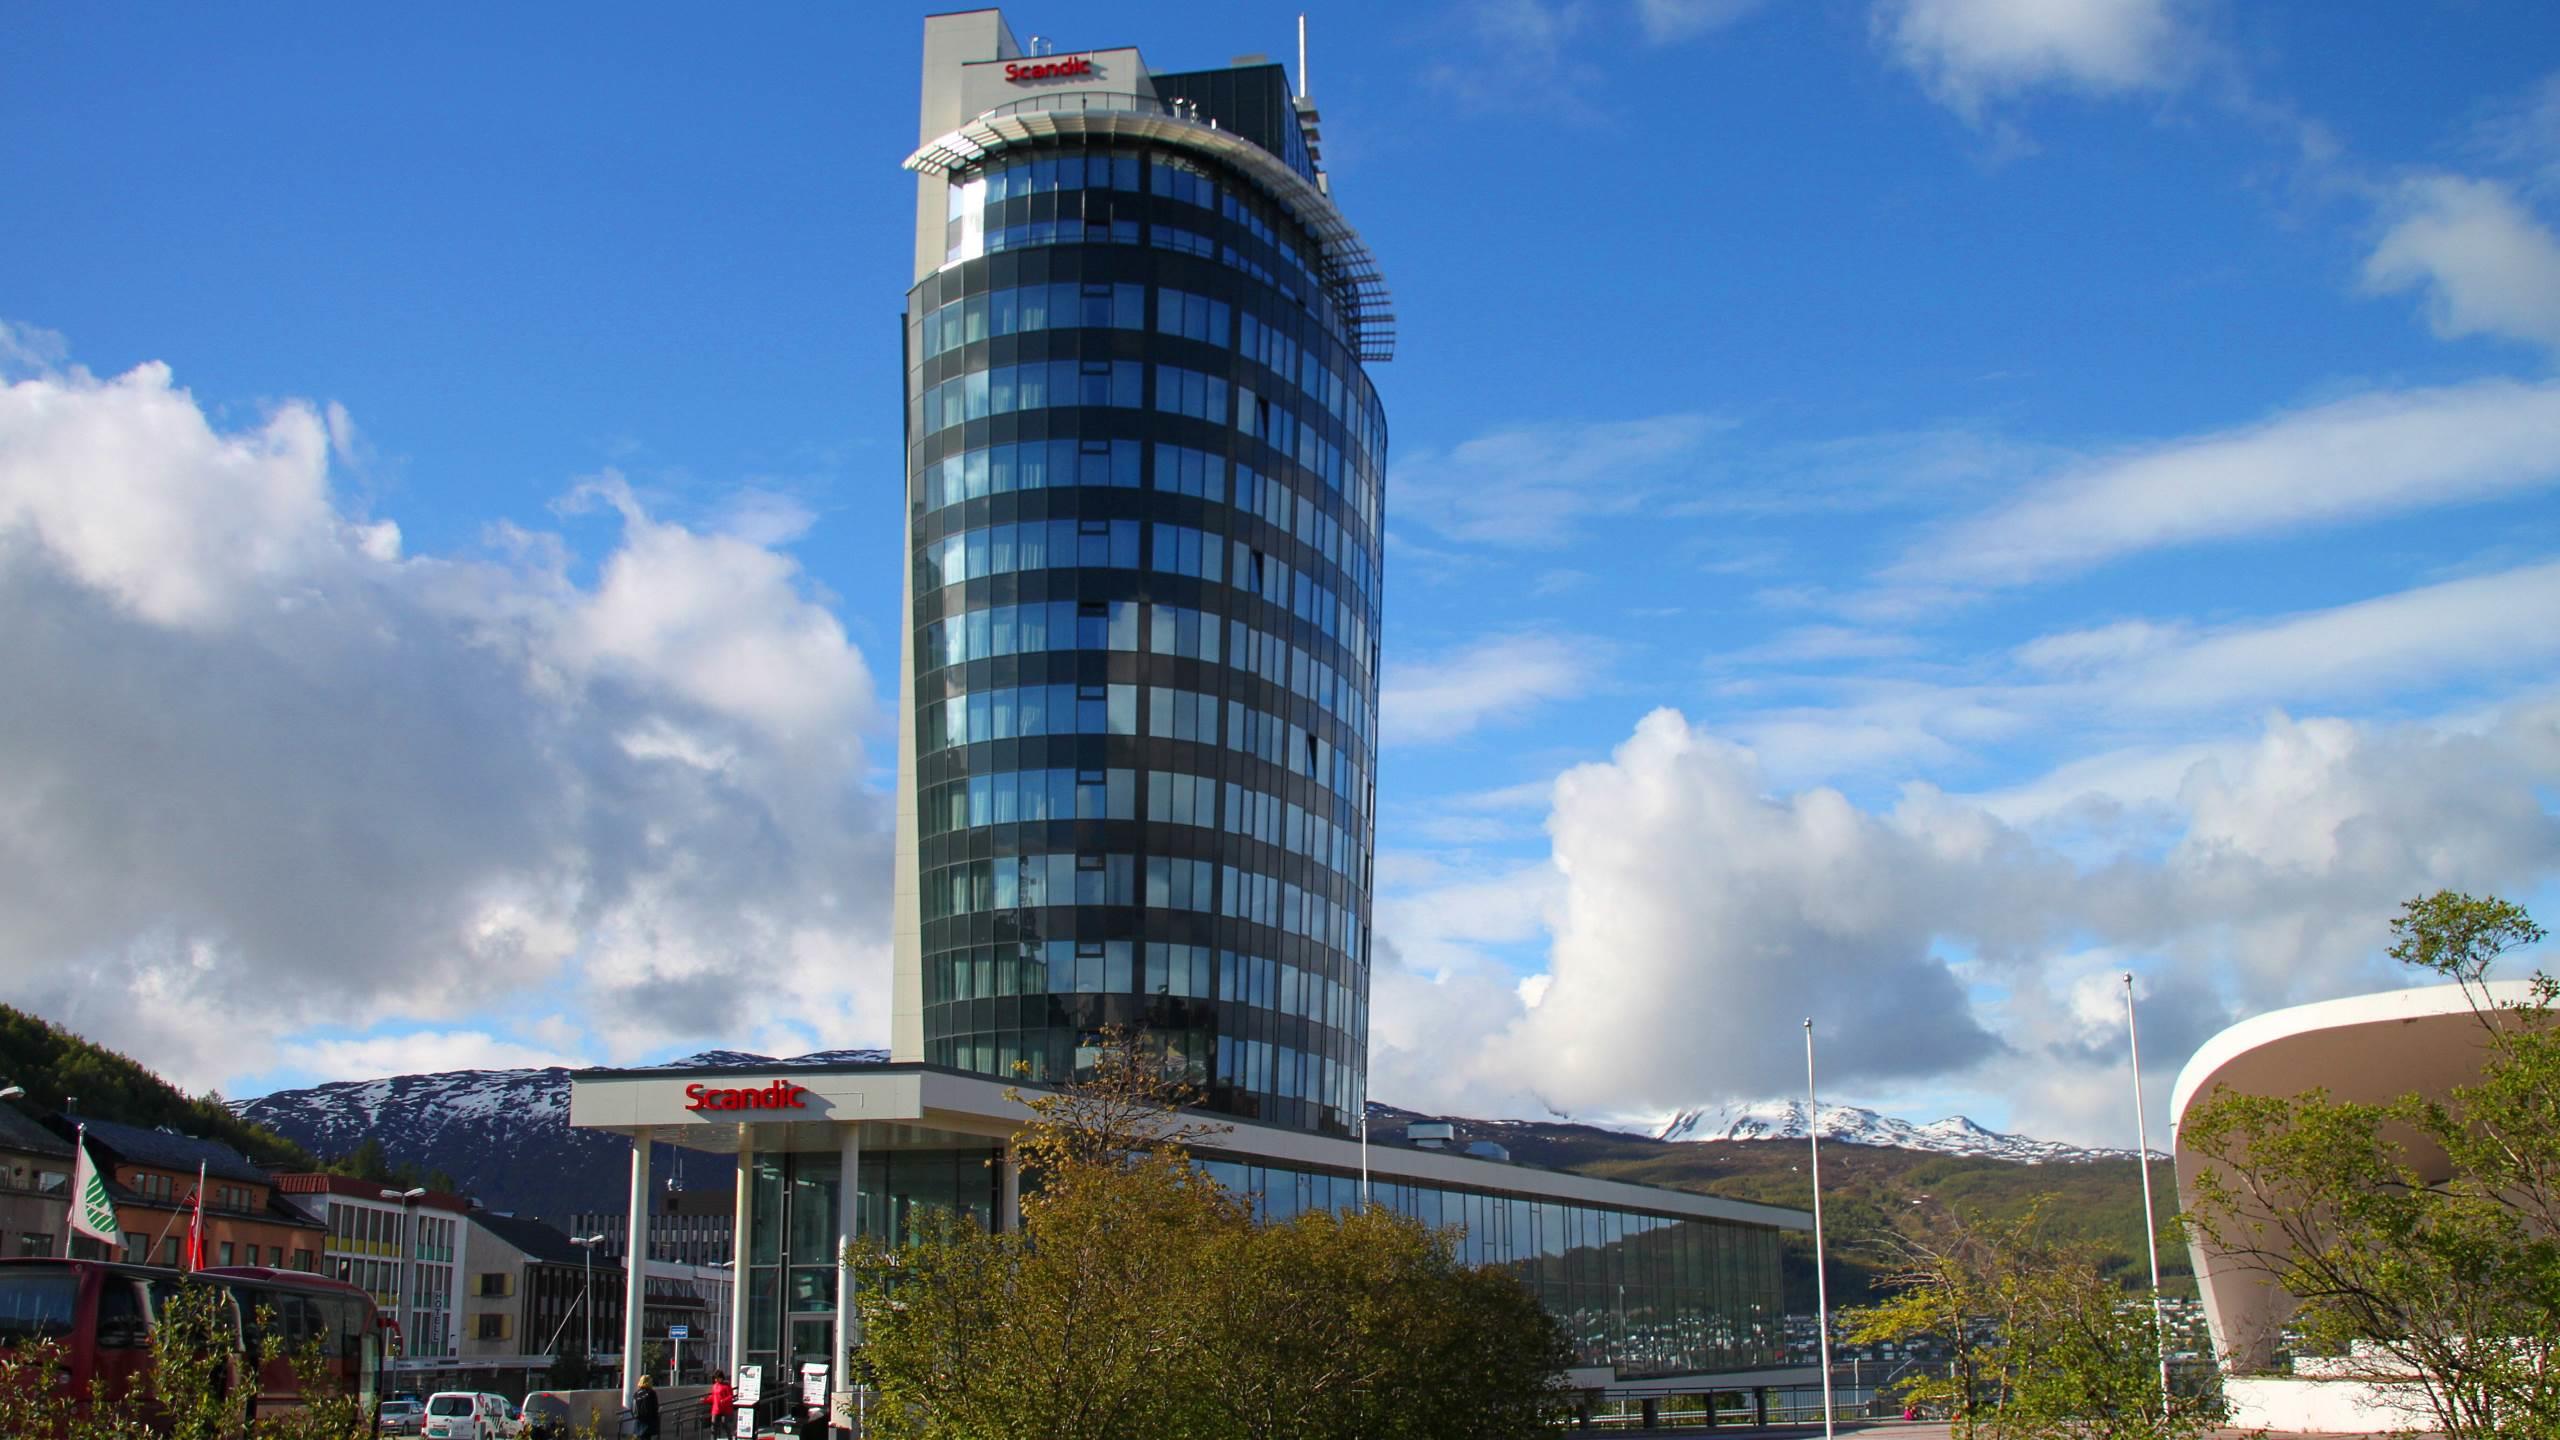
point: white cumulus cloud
(1968, 53)
(260, 770)
(2485, 264)
(1693, 914)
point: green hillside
(1870, 1192)
(50, 1063)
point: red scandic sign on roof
(1072, 67)
(780, 1095)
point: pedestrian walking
(644, 1411)
(721, 1403)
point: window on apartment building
(490, 1327)
(302, 1261)
(227, 1252)
(36, 1244)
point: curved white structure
(2362, 1048)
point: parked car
(464, 1415)
(401, 1417)
(545, 1417)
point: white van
(463, 1415)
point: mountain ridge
(1854, 1125)
(504, 1135)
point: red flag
(195, 1225)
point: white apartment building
(403, 1247)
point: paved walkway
(1893, 1431)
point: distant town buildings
(35, 1186)
(403, 1247)
(483, 1300)
(151, 1176)
(531, 1291)
(689, 1227)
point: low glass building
(1661, 1290)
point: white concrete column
(1009, 1191)
(848, 1217)
(742, 1232)
(635, 1283)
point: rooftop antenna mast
(1302, 57)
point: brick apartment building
(151, 1176)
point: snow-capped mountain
(1850, 1125)
(503, 1135)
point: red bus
(102, 1313)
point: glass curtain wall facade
(791, 1279)
(1652, 1295)
(1144, 467)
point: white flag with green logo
(92, 1213)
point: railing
(1085, 101)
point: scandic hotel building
(1137, 744)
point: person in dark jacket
(644, 1411)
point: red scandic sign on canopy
(780, 1095)
(1069, 68)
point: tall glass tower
(1137, 749)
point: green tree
(968, 1333)
(2421, 1235)
(2043, 1343)
(1141, 1300)
(53, 1065)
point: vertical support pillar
(1009, 1191)
(848, 1224)
(1652, 1413)
(742, 1229)
(1760, 1408)
(635, 1264)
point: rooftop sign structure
(1361, 286)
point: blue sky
(1900, 510)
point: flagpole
(79, 1161)
(2150, 1225)
(195, 1227)
(1821, 1282)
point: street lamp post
(586, 1287)
(408, 1243)
(720, 1311)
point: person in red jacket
(722, 1403)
